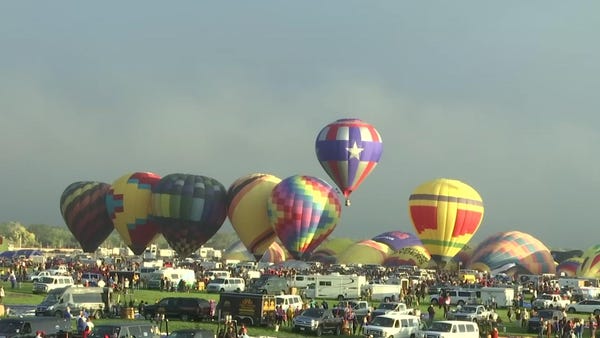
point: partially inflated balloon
(128, 205)
(190, 210)
(247, 211)
(329, 250)
(365, 252)
(83, 207)
(445, 213)
(348, 150)
(303, 210)
(590, 263)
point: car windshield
(387, 306)
(468, 309)
(440, 327)
(10, 326)
(218, 281)
(313, 313)
(382, 321)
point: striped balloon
(83, 207)
(365, 252)
(128, 205)
(190, 210)
(512, 247)
(247, 211)
(590, 264)
(446, 214)
(348, 150)
(303, 210)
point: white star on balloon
(355, 151)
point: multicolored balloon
(247, 211)
(512, 248)
(348, 150)
(329, 250)
(83, 207)
(406, 249)
(274, 254)
(569, 267)
(128, 205)
(190, 210)
(590, 264)
(445, 213)
(303, 210)
(365, 252)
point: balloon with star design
(348, 150)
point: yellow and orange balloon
(446, 213)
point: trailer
(338, 287)
(499, 296)
(250, 309)
(384, 292)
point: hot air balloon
(348, 150)
(83, 207)
(569, 267)
(405, 249)
(328, 251)
(445, 213)
(303, 210)
(247, 211)
(512, 248)
(190, 210)
(128, 205)
(367, 251)
(590, 263)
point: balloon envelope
(328, 251)
(365, 252)
(190, 210)
(513, 247)
(83, 207)
(247, 211)
(348, 150)
(303, 210)
(590, 264)
(445, 213)
(569, 267)
(405, 249)
(128, 205)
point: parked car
(184, 308)
(124, 330)
(586, 306)
(450, 329)
(317, 321)
(533, 325)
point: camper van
(338, 287)
(174, 275)
(47, 283)
(92, 299)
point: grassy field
(24, 296)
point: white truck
(471, 313)
(338, 287)
(396, 307)
(550, 301)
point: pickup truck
(471, 313)
(360, 308)
(317, 321)
(550, 301)
(397, 307)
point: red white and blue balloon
(348, 150)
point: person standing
(431, 312)
(2, 294)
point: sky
(500, 95)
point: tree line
(56, 236)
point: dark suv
(318, 320)
(533, 325)
(184, 308)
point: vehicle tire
(386, 299)
(222, 290)
(58, 314)
(340, 298)
(597, 312)
(97, 314)
(319, 331)
(572, 310)
(461, 303)
(434, 301)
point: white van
(393, 325)
(226, 285)
(212, 274)
(47, 283)
(287, 301)
(450, 329)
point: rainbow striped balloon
(303, 210)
